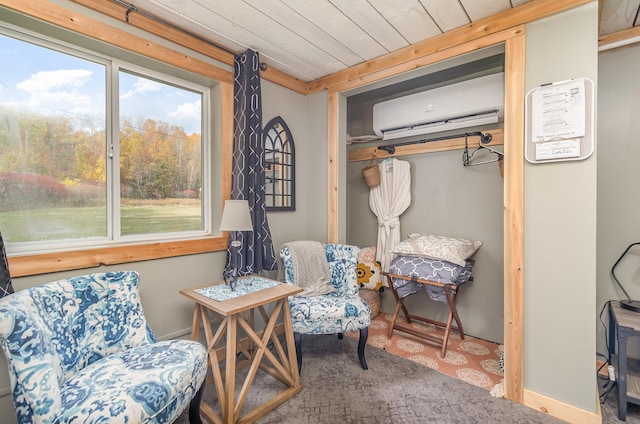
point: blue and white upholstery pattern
(337, 312)
(80, 350)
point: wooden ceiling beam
(618, 39)
(185, 39)
(393, 69)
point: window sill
(22, 266)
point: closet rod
(391, 148)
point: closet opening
(447, 198)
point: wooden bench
(451, 294)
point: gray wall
(560, 229)
(315, 167)
(618, 176)
(292, 107)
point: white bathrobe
(387, 201)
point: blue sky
(48, 82)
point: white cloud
(187, 111)
(142, 86)
(44, 81)
(60, 91)
(70, 98)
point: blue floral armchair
(334, 313)
(80, 351)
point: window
(160, 158)
(279, 164)
(97, 152)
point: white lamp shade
(236, 216)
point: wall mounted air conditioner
(465, 104)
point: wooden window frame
(32, 264)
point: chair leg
(194, 407)
(364, 334)
(297, 338)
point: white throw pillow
(450, 249)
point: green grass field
(86, 222)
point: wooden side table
(623, 324)
(227, 314)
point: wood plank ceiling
(310, 39)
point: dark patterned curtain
(6, 287)
(256, 252)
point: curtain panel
(248, 178)
(6, 288)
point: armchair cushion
(144, 384)
(80, 350)
(329, 314)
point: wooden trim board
(561, 410)
(513, 217)
(366, 153)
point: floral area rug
(472, 360)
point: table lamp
(235, 217)
(632, 305)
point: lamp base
(230, 276)
(632, 305)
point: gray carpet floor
(610, 407)
(393, 390)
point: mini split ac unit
(465, 104)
